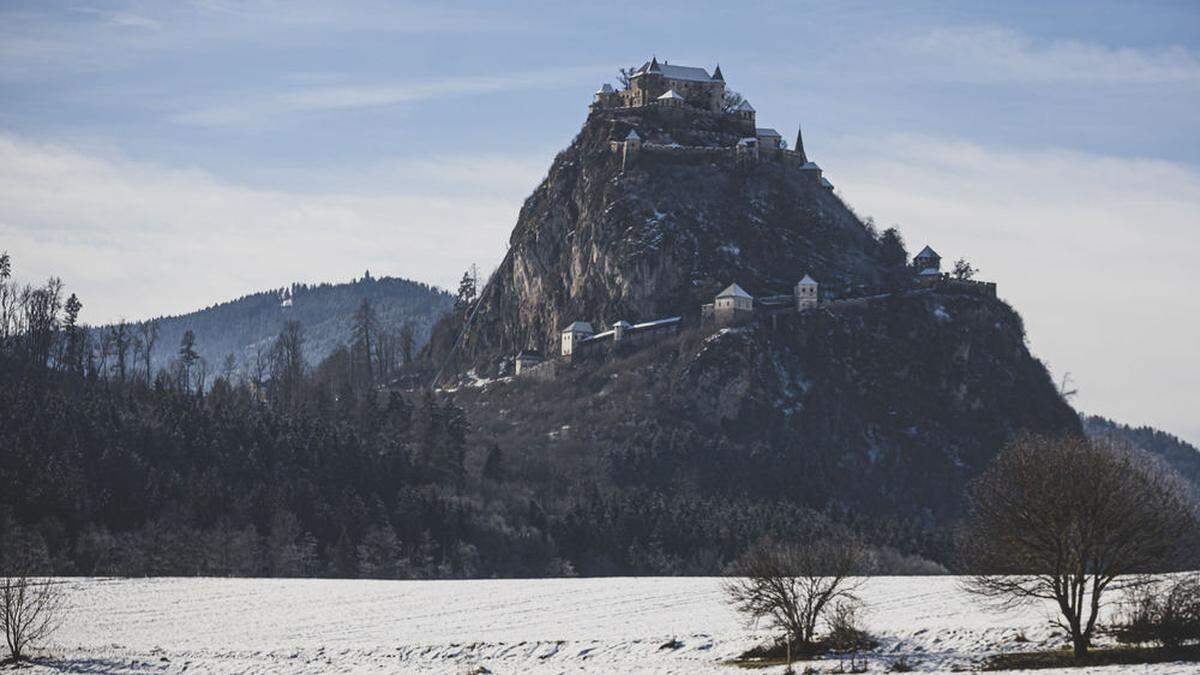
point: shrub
(846, 633)
(1165, 612)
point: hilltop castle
(690, 88)
(661, 99)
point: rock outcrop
(598, 243)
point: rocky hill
(876, 409)
(598, 243)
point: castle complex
(690, 88)
(664, 90)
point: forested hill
(326, 311)
(1176, 452)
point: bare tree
(407, 342)
(731, 100)
(625, 75)
(120, 338)
(793, 585)
(964, 270)
(1067, 519)
(148, 331)
(287, 364)
(30, 607)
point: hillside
(878, 412)
(1174, 451)
(326, 311)
(877, 407)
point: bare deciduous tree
(30, 607)
(964, 270)
(793, 585)
(1067, 519)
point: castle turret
(630, 148)
(927, 259)
(799, 147)
(619, 328)
(574, 334)
(807, 293)
(733, 305)
(717, 74)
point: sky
(164, 156)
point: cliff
(597, 243)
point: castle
(675, 91)
(672, 85)
(692, 89)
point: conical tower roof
(800, 145)
(717, 74)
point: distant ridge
(1174, 451)
(326, 311)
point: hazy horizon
(163, 158)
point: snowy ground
(509, 626)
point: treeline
(108, 467)
(1174, 451)
(242, 330)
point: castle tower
(733, 305)
(574, 334)
(807, 293)
(619, 329)
(630, 148)
(927, 259)
(799, 147)
(717, 74)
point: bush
(846, 633)
(1165, 612)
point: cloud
(121, 18)
(136, 239)
(995, 54)
(305, 99)
(1098, 253)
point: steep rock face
(596, 242)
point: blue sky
(164, 156)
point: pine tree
(466, 292)
(187, 358)
(73, 358)
(493, 464)
(365, 328)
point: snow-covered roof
(530, 354)
(748, 141)
(744, 106)
(633, 135)
(767, 132)
(606, 89)
(734, 291)
(808, 281)
(671, 94)
(623, 324)
(658, 322)
(579, 327)
(599, 336)
(927, 253)
(825, 183)
(688, 73)
(810, 166)
(929, 272)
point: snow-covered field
(614, 625)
